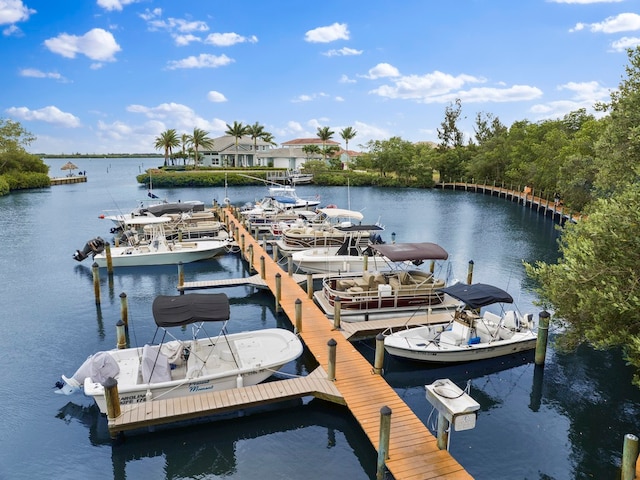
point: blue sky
(107, 76)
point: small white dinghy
(469, 335)
(178, 368)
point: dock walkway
(412, 450)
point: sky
(108, 76)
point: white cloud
(342, 52)
(382, 70)
(309, 98)
(216, 97)
(12, 11)
(228, 39)
(204, 60)
(97, 44)
(515, 93)
(337, 31)
(48, 114)
(339, 99)
(585, 95)
(114, 4)
(346, 79)
(624, 43)
(35, 73)
(424, 87)
(625, 22)
(179, 116)
(184, 40)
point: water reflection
(218, 445)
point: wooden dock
(542, 205)
(66, 180)
(413, 451)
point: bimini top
(478, 294)
(341, 213)
(171, 311)
(414, 252)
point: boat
(469, 335)
(153, 210)
(399, 290)
(296, 177)
(330, 227)
(354, 255)
(177, 368)
(157, 251)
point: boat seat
(155, 365)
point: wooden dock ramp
(413, 450)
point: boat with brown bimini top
(399, 291)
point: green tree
(200, 139)
(167, 141)
(256, 131)
(237, 131)
(348, 133)
(311, 150)
(595, 286)
(325, 134)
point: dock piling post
(96, 282)
(263, 269)
(181, 277)
(298, 307)
(310, 285)
(124, 310)
(331, 373)
(629, 457)
(365, 262)
(121, 335)
(383, 444)
(470, 273)
(250, 259)
(541, 341)
(443, 432)
(337, 306)
(107, 252)
(112, 397)
(278, 291)
(379, 358)
(242, 245)
(290, 265)
(275, 252)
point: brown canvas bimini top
(400, 252)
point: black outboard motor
(93, 246)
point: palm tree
(269, 138)
(167, 140)
(238, 130)
(348, 133)
(311, 150)
(198, 139)
(325, 133)
(185, 141)
(255, 131)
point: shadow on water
(211, 445)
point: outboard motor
(93, 246)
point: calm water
(566, 421)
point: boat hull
(431, 353)
(242, 359)
(181, 252)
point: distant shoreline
(98, 156)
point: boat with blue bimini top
(469, 335)
(175, 367)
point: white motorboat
(296, 177)
(354, 255)
(397, 291)
(157, 251)
(157, 209)
(469, 335)
(179, 368)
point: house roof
(308, 141)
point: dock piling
(107, 252)
(263, 270)
(124, 310)
(379, 358)
(309, 285)
(96, 282)
(298, 309)
(383, 446)
(278, 292)
(337, 306)
(543, 334)
(121, 335)
(331, 373)
(629, 457)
